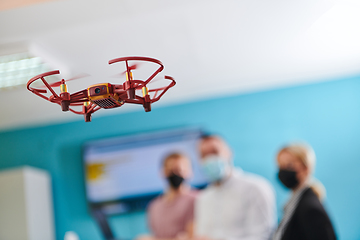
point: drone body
(104, 95)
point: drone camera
(98, 90)
(103, 96)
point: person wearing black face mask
(175, 180)
(288, 178)
(304, 216)
(171, 214)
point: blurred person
(304, 216)
(171, 214)
(236, 205)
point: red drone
(104, 95)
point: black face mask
(288, 178)
(175, 180)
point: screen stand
(102, 221)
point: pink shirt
(169, 218)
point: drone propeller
(131, 67)
(57, 84)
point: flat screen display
(129, 167)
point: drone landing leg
(65, 105)
(87, 115)
(147, 106)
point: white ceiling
(212, 48)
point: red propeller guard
(55, 98)
(163, 89)
(38, 91)
(155, 98)
(146, 59)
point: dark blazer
(309, 221)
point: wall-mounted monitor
(124, 173)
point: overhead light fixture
(17, 69)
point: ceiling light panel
(17, 69)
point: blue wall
(327, 115)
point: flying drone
(104, 95)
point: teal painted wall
(327, 115)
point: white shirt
(241, 208)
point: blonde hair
(306, 155)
